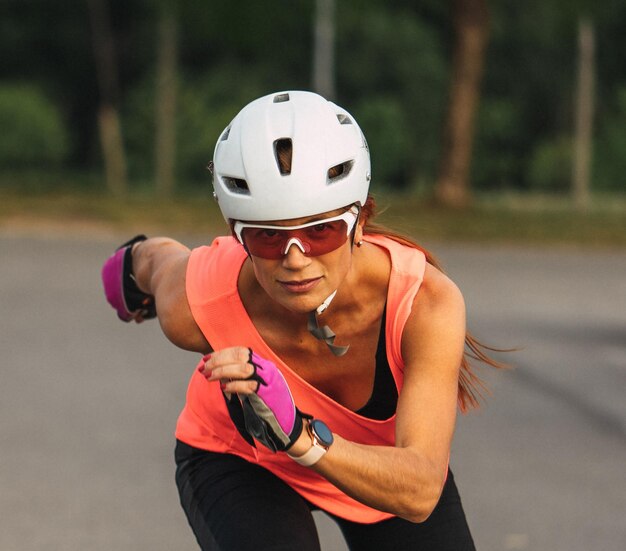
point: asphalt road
(88, 405)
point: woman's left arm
(406, 480)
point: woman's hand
(120, 287)
(230, 366)
(268, 408)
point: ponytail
(471, 386)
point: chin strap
(325, 333)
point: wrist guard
(120, 287)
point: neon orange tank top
(212, 276)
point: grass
(92, 209)
(521, 220)
(507, 219)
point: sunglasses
(313, 239)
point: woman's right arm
(160, 267)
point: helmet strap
(353, 233)
(325, 333)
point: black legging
(234, 505)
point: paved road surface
(88, 405)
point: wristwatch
(321, 438)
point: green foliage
(33, 131)
(384, 121)
(498, 161)
(527, 91)
(392, 65)
(273, 38)
(205, 107)
(392, 73)
(550, 168)
(531, 67)
(610, 151)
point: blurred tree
(471, 23)
(108, 116)
(527, 91)
(391, 70)
(583, 135)
(609, 160)
(391, 74)
(497, 162)
(324, 49)
(389, 135)
(550, 165)
(34, 134)
(207, 102)
(165, 139)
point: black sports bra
(384, 399)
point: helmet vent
(225, 134)
(283, 149)
(344, 119)
(281, 98)
(340, 171)
(236, 185)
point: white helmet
(247, 177)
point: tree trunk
(108, 117)
(324, 49)
(471, 24)
(112, 151)
(583, 138)
(165, 142)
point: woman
(285, 415)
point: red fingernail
(204, 372)
(223, 386)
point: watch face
(322, 432)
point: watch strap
(315, 453)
